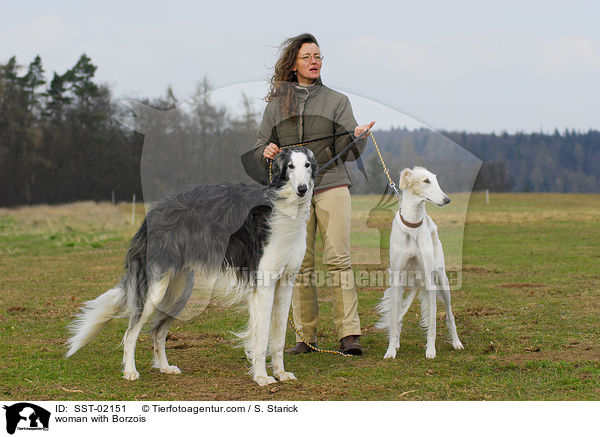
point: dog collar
(409, 224)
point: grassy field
(527, 311)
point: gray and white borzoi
(244, 241)
(416, 254)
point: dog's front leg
(399, 257)
(431, 329)
(261, 305)
(281, 309)
(395, 324)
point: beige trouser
(330, 211)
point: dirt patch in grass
(467, 268)
(521, 285)
(16, 309)
(475, 269)
(569, 353)
(484, 311)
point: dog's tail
(94, 315)
(424, 301)
(384, 310)
(118, 301)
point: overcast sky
(456, 65)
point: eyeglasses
(306, 58)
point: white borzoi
(246, 241)
(416, 255)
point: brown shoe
(350, 345)
(300, 348)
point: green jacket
(322, 111)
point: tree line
(561, 162)
(58, 141)
(521, 162)
(64, 139)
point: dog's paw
(457, 344)
(264, 380)
(430, 353)
(171, 370)
(285, 376)
(131, 375)
(391, 353)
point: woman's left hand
(359, 130)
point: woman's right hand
(270, 151)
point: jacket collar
(311, 89)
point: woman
(301, 108)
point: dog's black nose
(446, 200)
(302, 189)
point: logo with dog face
(26, 416)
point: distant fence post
(133, 211)
(112, 194)
(487, 196)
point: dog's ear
(405, 176)
(313, 162)
(279, 169)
